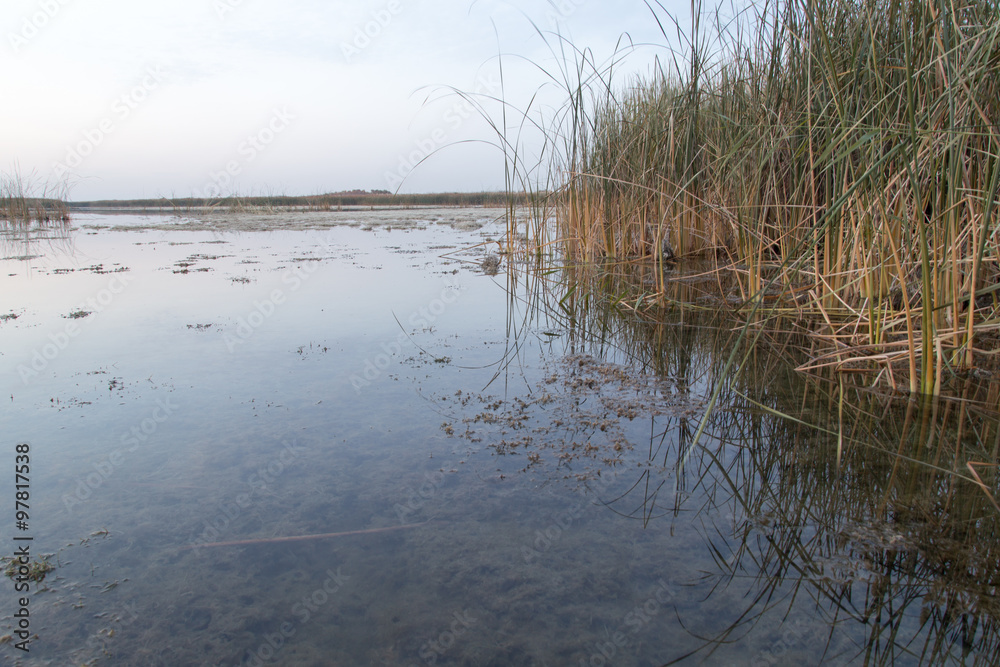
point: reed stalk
(22, 204)
(844, 149)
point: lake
(340, 438)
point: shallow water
(476, 479)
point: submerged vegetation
(840, 157)
(36, 570)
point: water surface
(472, 469)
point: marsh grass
(835, 165)
(841, 157)
(23, 203)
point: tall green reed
(842, 154)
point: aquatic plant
(841, 157)
(35, 570)
(21, 204)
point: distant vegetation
(324, 202)
(22, 201)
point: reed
(842, 157)
(23, 203)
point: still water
(335, 439)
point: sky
(118, 99)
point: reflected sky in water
(472, 469)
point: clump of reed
(21, 205)
(843, 156)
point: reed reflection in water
(858, 526)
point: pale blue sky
(149, 99)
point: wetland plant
(840, 157)
(21, 205)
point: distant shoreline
(327, 202)
(288, 219)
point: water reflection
(24, 240)
(519, 483)
(857, 527)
